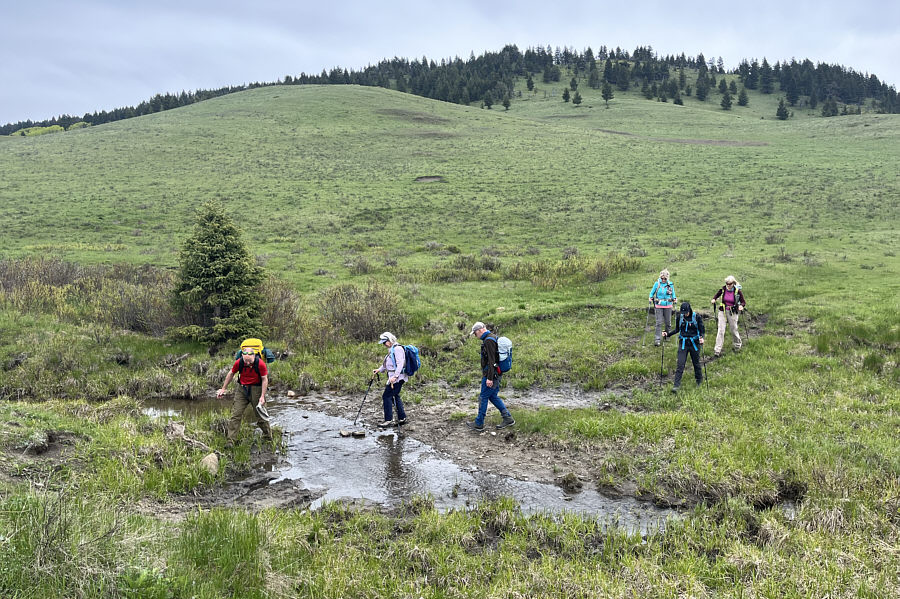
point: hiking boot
(477, 428)
(403, 421)
(674, 389)
(718, 354)
(386, 423)
(507, 421)
(656, 343)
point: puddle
(387, 468)
(172, 409)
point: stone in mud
(570, 483)
(345, 433)
(211, 463)
(291, 394)
(359, 434)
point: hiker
(690, 329)
(393, 365)
(662, 300)
(253, 380)
(732, 305)
(490, 380)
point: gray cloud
(105, 54)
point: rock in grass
(211, 464)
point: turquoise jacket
(663, 294)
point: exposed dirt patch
(416, 117)
(430, 179)
(701, 142)
(255, 492)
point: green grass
(803, 212)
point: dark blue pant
(390, 395)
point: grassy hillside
(516, 232)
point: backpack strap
(255, 366)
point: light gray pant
(663, 316)
(731, 319)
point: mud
(435, 455)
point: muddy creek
(388, 467)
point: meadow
(548, 221)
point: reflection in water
(391, 468)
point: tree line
(491, 77)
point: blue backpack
(412, 359)
(504, 353)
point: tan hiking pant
(241, 401)
(731, 319)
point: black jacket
(490, 356)
(693, 330)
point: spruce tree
(765, 78)
(576, 99)
(726, 101)
(702, 89)
(573, 84)
(782, 112)
(218, 281)
(742, 98)
(565, 95)
(607, 93)
(530, 83)
(506, 102)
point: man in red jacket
(253, 380)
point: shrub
(361, 314)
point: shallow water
(388, 468)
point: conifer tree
(726, 101)
(607, 93)
(565, 95)
(576, 99)
(573, 84)
(702, 88)
(506, 102)
(782, 112)
(218, 281)
(765, 77)
(743, 100)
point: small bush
(361, 314)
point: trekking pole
(371, 380)
(705, 375)
(646, 326)
(662, 356)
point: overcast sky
(70, 57)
